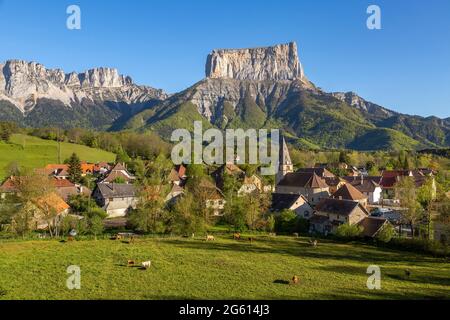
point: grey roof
(284, 201)
(372, 225)
(337, 206)
(364, 184)
(116, 190)
(303, 179)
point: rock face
(279, 62)
(352, 99)
(24, 83)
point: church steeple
(285, 163)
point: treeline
(125, 144)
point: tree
(96, 225)
(286, 221)
(386, 234)
(405, 191)
(74, 171)
(270, 223)
(6, 129)
(426, 196)
(150, 216)
(184, 218)
(343, 157)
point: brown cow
(237, 236)
(295, 279)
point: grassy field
(224, 269)
(32, 152)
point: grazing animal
(131, 263)
(313, 243)
(146, 264)
(237, 236)
(407, 273)
(210, 238)
(272, 234)
(295, 279)
(295, 234)
(69, 238)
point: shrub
(347, 231)
(386, 234)
(286, 221)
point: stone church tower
(285, 164)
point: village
(323, 200)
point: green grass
(224, 269)
(33, 152)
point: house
(331, 213)
(389, 179)
(321, 172)
(310, 185)
(174, 194)
(8, 187)
(66, 189)
(177, 175)
(334, 183)
(119, 172)
(116, 199)
(87, 168)
(102, 168)
(367, 185)
(294, 202)
(213, 197)
(253, 184)
(59, 171)
(372, 226)
(51, 204)
(348, 192)
(229, 169)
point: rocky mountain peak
(280, 62)
(22, 83)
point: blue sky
(405, 66)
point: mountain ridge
(261, 87)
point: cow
(295, 279)
(130, 263)
(210, 238)
(237, 236)
(146, 264)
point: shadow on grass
(301, 248)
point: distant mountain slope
(243, 88)
(266, 87)
(99, 98)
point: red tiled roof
(348, 192)
(62, 183)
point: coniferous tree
(75, 172)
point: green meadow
(32, 152)
(222, 269)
